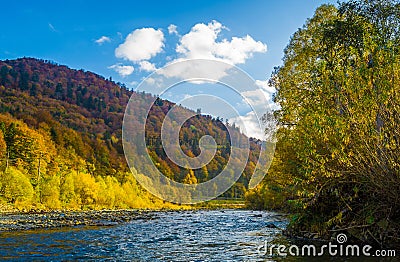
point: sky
(128, 40)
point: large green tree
(338, 148)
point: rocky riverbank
(57, 219)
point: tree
(50, 192)
(68, 196)
(204, 174)
(3, 146)
(339, 121)
(16, 187)
(190, 178)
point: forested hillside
(337, 161)
(60, 125)
(37, 173)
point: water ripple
(229, 235)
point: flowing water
(216, 235)
(220, 235)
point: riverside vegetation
(337, 160)
(40, 175)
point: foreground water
(221, 235)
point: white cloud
(260, 102)
(249, 125)
(238, 49)
(256, 97)
(122, 70)
(147, 66)
(172, 29)
(266, 86)
(150, 81)
(141, 44)
(133, 84)
(197, 69)
(102, 40)
(202, 42)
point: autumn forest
(336, 166)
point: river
(216, 235)
(197, 235)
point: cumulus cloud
(147, 66)
(141, 44)
(202, 42)
(197, 69)
(172, 29)
(102, 40)
(133, 84)
(238, 50)
(256, 97)
(122, 70)
(260, 102)
(266, 86)
(249, 125)
(252, 123)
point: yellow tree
(338, 91)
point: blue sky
(93, 35)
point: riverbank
(12, 219)
(57, 219)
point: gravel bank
(57, 219)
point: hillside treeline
(80, 114)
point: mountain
(82, 112)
